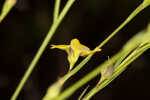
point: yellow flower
(74, 50)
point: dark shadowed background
(91, 21)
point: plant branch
(8, 5)
(131, 16)
(41, 49)
(117, 71)
(56, 10)
(87, 78)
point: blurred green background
(91, 21)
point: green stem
(41, 49)
(76, 69)
(66, 9)
(34, 62)
(88, 77)
(83, 93)
(96, 71)
(56, 10)
(8, 5)
(131, 16)
(118, 71)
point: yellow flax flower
(74, 50)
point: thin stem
(83, 93)
(7, 6)
(34, 62)
(76, 69)
(96, 71)
(90, 94)
(41, 49)
(118, 71)
(131, 16)
(65, 10)
(87, 78)
(56, 10)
